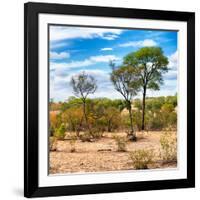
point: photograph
(112, 99)
(109, 99)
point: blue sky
(76, 49)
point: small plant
(121, 143)
(168, 144)
(72, 143)
(141, 158)
(96, 133)
(60, 132)
(86, 137)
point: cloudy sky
(76, 49)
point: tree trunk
(143, 107)
(131, 122)
(84, 112)
(109, 126)
(85, 116)
(79, 128)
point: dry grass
(103, 155)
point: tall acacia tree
(125, 81)
(151, 64)
(83, 85)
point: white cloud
(83, 63)
(171, 75)
(59, 56)
(107, 49)
(103, 58)
(60, 88)
(55, 45)
(173, 61)
(62, 33)
(110, 37)
(140, 43)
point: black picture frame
(31, 186)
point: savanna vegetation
(99, 134)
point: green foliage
(119, 104)
(108, 115)
(150, 62)
(171, 100)
(120, 142)
(154, 104)
(167, 107)
(104, 114)
(137, 119)
(141, 158)
(71, 102)
(154, 121)
(60, 132)
(73, 118)
(137, 104)
(168, 144)
(125, 81)
(160, 113)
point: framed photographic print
(109, 99)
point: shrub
(96, 133)
(137, 119)
(60, 132)
(72, 143)
(54, 121)
(168, 144)
(85, 137)
(141, 158)
(73, 118)
(121, 143)
(173, 120)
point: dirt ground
(102, 155)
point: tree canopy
(150, 63)
(83, 84)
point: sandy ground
(102, 155)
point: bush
(73, 118)
(168, 144)
(137, 119)
(72, 143)
(96, 133)
(155, 121)
(60, 132)
(85, 137)
(141, 158)
(121, 143)
(54, 121)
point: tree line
(107, 115)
